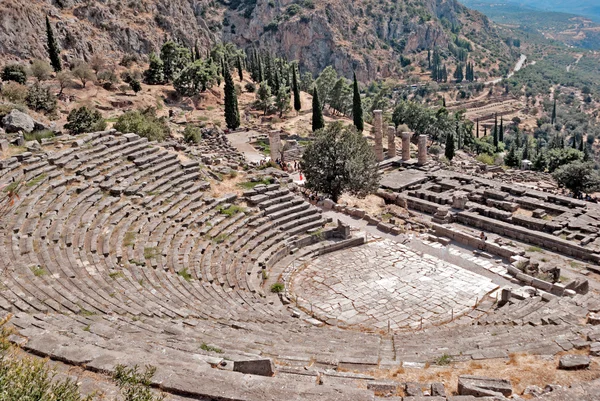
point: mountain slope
(363, 35)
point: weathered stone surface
(260, 367)
(422, 156)
(483, 386)
(437, 389)
(16, 121)
(574, 362)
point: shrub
(40, 69)
(144, 123)
(250, 87)
(435, 150)
(108, 79)
(135, 86)
(26, 378)
(192, 134)
(39, 98)
(485, 158)
(135, 385)
(14, 92)
(128, 60)
(85, 119)
(14, 72)
(277, 288)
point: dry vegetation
(522, 369)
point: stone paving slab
(384, 282)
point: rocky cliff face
(361, 35)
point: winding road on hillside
(520, 64)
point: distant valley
(577, 24)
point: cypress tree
(317, 116)
(525, 155)
(53, 49)
(232, 114)
(477, 128)
(196, 51)
(449, 151)
(296, 90)
(554, 112)
(581, 145)
(501, 135)
(239, 68)
(357, 110)
(496, 133)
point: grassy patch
(534, 249)
(210, 348)
(277, 288)
(151, 253)
(38, 135)
(185, 274)
(265, 275)
(85, 312)
(220, 238)
(252, 184)
(86, 328)
(116, 275)
(231, 210)
(36, 180)
(443, 360)
(38, 271)
(129, 238)
(575, 265)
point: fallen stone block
(483, 386)
(260, 367)
(438, 390)
(595, 349)
(383, 387)
(574, 362)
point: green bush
(144, 123)
(486, 159)
(277, 288)
(85, 119)
(192, 134)
(39, 98)
(15, 72)
(250, 87)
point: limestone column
(275, 145)
(406, 146)
(422, 150)
(391, 136)
(378, 134)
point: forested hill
(367, 36)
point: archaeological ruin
(117, 250)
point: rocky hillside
(364, 35)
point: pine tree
(53, 49)
(317, 115)
(449, 151)
(357, 111)
(296, 90)
(553, 113)
(239, 68)
(232, 114)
